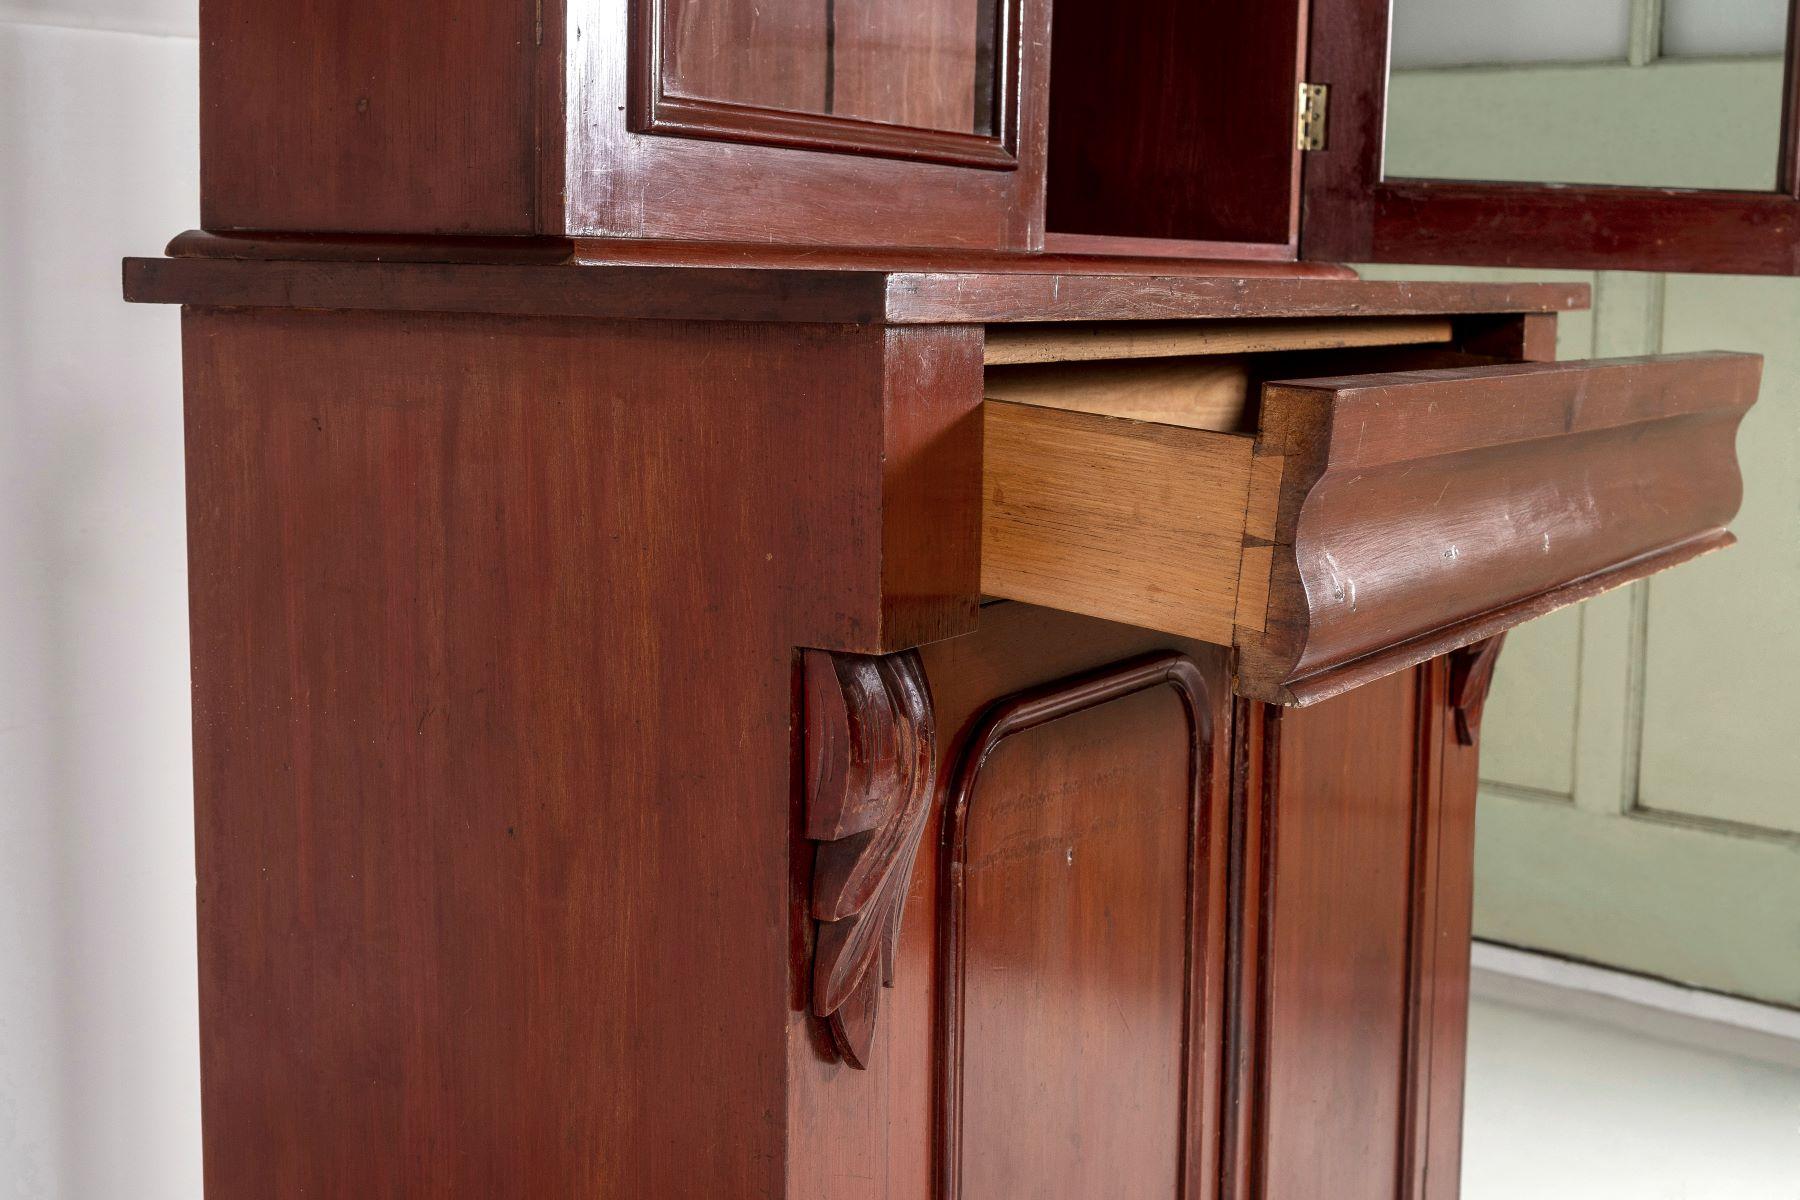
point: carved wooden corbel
(871, 760)
(1471, 675)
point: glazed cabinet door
(890, 122)
(1604, 136)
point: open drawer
(1368, 522)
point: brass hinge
(1314, 98)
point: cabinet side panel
(493, 629)
(343, 115)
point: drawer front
(1373, 521)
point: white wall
(99, 1087)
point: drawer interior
(1201, 375)
(1122, 478)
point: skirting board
(1654, 1007)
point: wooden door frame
(1352, 213)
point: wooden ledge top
(816, 287)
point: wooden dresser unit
(782, 608)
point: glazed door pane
(926, 64)
(1648, 137)
(1540, 90)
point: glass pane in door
(1683, 93)
(927, 64)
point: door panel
(1356, 893)
(808, 123)
(1063, 744)
(925, 79)
(1074, 979)
(1338, 944)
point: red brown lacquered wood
(934, 80)
(1113, 782)
(494, 629)
(1353, 970)
(1175, 121)
(345, 115)
(1471, 675)
(1137, 928)
(565, 520)
(1426, 510)
(518, 117)
(871, 760)
(928, 292)
(621, 182)
(1439, 1047)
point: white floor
(1588, 1085)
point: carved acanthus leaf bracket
(1471, 675)
(871, 760)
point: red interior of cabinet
(1174, 120)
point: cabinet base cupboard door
(1357, 884)
(1158, 943)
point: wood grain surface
(380, 118)
(1168, 339)
(494, 628)
(873, 1134)
(928, 297)
(1177, 123)
(1083, 941)
(871, 762)
(1134, 256)
(1381, 519)
(621, 182)
(1199, 393)
(1352, 973)
(1425, 510)
(1343, 807)
(518, 118)
(1127, 520)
